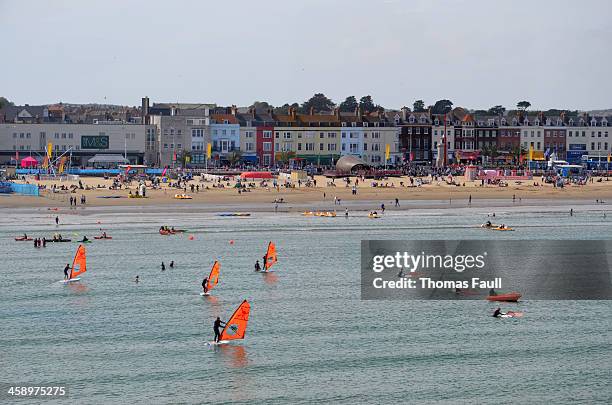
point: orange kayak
(509, 297)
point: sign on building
(94, 142)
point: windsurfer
(66, 271)
(205, 285)
(216, 326)
(137, 279)
(257, 265)
(265, 260)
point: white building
(81, 141)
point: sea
(310, 339)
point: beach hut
(29, 162)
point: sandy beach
(320, 197)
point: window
(277, 146)
(365, 147)
(21, 135)
(331, 147)
(592, 145)
(299, 146)
(343, 147)
(333, 134)
(224, 132)
(267, 134)
(321, 146)
(310, 146)
(322, 135)
(267, 146)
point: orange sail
(235, 328)
(79, 264)
(213, 278)
(270, 257)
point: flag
(62, 163)
(411, 156)
(127, 169)
(164, 171)
(174, 156)
(45, 162)
(387, 152)
(49, 150)
(547, 153)
(208, 150)
(531, 152)
(609, 157)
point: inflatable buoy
(191, 237)
(231, 241)
(99, 222)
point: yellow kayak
(502, 229)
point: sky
(476, 53)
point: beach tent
(29, 162)
(348, 163)
(256, 175)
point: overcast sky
(477, 53)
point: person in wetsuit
(265, 260)
(163, 266)
(492, 292)
(66, 270)
(205, 285)
(85, 239)
(497, 313)
(257, 266)
(216, 326)
(172, 264)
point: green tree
(234, 157)
(261, 105)
(523, 105)
(4, 102)
(490, 151)
(497, 110)
(367, 104)
(418, 106)
(349, 104)
(516, 152)
(442, 107)
(319, 102)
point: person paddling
(205, 285)
(216, 326)
(137, 279)
(66, 270)
(497, 313)
(257, 266)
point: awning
(256, 175)
(250, 158)
(108, 159)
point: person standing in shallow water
(163, 266)
(56, 220)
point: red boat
(509, 297)
(22, 239)
(163, 232)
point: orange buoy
(191, 237)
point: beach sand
(320, 197)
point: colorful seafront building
(203, 134)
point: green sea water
(310, 337)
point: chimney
(144, 113)
(233, 110)
(292, 112)
(337, 113)
(405, 112)
(311, 110)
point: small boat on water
(373, 215)
(235, 327)
(103, 237)
(58, 240)
(508, 297)
(502, 229)
(23, 239)
(270, 257)
(183, 197)
(235, 214)
(213, 278)
(79, 265)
